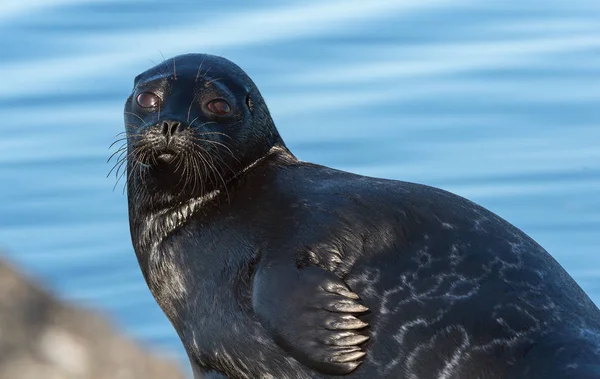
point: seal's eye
(219, 107)
(148, 100)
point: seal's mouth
(166, 157)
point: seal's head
(193, 122)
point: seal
(271, 267)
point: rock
(42, 337)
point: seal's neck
(152, 220)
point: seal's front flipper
(313, 315)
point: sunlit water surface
(498, 101)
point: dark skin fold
(270, 267)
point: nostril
(174, 127)
(170, 128)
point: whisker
(190, 110)
(224, 183)
(163, 72)
(121, 149)
(217, 144)
(226, 165)
(117, 141)
(125, 171)
(203, 124)
(217, 133)
(135, 127)
(119, 179)
(193, 174)
(206, 166)
(194, 120)
(184, 174)
(174, 70)
(121, 165)
(117, 166)
(212, 81)
(138, 164)
(199, 68)
(133, 114)
(201, 175)
(179, 161)
(215, 170)
(129, 155)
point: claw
(350, 339)
(347, 306)
(347, 356)
(341, 290)
(346, 322)
(348, 294)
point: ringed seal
(271, 267)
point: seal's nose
(170, 128)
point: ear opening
(250, 103)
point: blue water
(498, 101)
